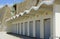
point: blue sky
(9, 2)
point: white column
(41, 28)
(51, 29)
(28, 28)
(57, 24)
(56, 21)
(20, 28)
(23, 29)
(34, 28)
(17, 27)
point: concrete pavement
(3, 35)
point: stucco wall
(36, 15)
(57, 20)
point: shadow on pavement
(21, 36)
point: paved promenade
(3, 35)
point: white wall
(33, 17)
(57, 23)
(57, 20)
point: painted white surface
(23, 29)
(34, 28)
(57, 24)
(57, 21)
(28, 28)
(34, 18)
(20, 28)
(17, 27)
